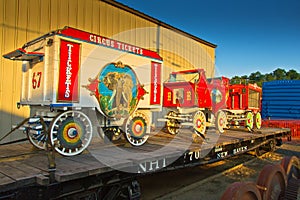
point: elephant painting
(115, 88)
(121, 86)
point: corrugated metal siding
(181, 53)
(281, 99)
(21, 21)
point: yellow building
(22, 21)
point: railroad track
(210, 181)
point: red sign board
(68, 72)
(155, 89)
(104, 41)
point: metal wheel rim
(249, 120)
(242, 190)
(258, 120)
(273, 178)
(39, 142)
(199, 123)
(221, 121)
(136, 124)
(291, 166)
(85, 136)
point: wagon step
(179, 117)
(187, 124)
(240, 119)
(162, 120)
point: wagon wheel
(272, 181)
(221, 121)
(172, 124)
(37, 139)
(271, 145)
(249, 120)
(112, 133)
(36, 135)
(136, 128)
(199, 122)
(257, 120)
(71, 133)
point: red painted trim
(111, 43)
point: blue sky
(252, 35)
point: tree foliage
(259, 78)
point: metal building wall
(180, 52)
(22, 21)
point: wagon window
(182, 77)
(254, 98)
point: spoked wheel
(71, 133)
(172, 124)
(199, 122)
(136, 129)
(257, 120)
(249, 120)
(221, 121)
(36, 134)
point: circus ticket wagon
(77, 83)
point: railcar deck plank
(20, 176)
(68, 170)
(95, 166)
(16, 150)
(39, 161)
(6, 183)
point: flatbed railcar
(26, 173)
(77, 82)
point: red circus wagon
(243, 107)
(198, 102)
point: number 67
(36, 79)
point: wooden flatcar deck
(21, 165)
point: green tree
(293, 75)
(239, 79)
(269, 77)
(279, 74)
(258, 78)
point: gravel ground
(213, 185)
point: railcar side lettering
(153, 165)
(240, 149)
(222, 154)
(218, 149)
(194, 155)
